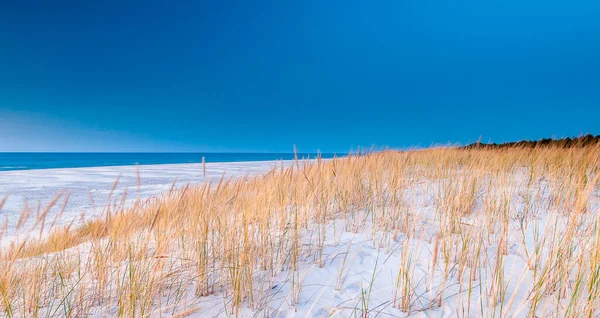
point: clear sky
(265, 75)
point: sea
(46, 160)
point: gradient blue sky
(265, 75)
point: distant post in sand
(203, 167)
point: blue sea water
(38, 160)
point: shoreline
(145, 165)
(48, 161)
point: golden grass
(229, 239)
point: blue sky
(265, 75)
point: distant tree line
(582, 141)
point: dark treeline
(583, 141)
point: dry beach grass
(442, 231)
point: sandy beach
(387, 234)
(89, 188)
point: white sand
(35, 188)
(356, 266)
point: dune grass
(467, 231)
